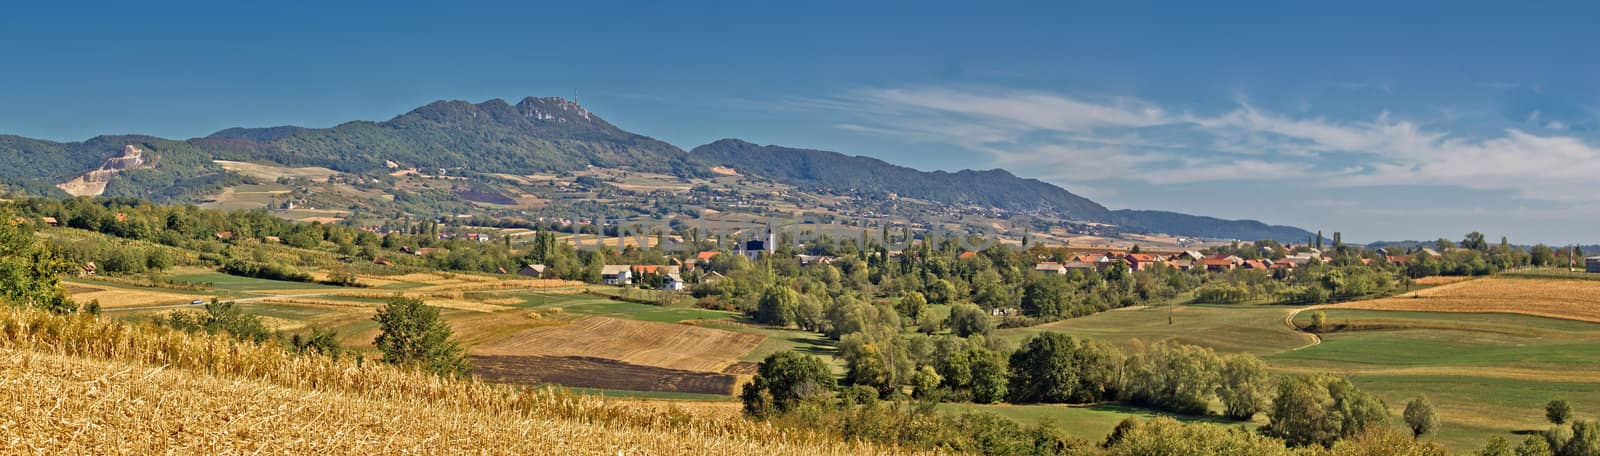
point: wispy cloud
(1089, 139)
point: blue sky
(1381, 121)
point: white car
(197, 301)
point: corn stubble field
(79, 385)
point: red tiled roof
(707, 255)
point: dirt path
(1288, 320)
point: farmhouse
(1255, 264)
(532, 270)
(642, 269)
(671, 282)
(616, 274)
(1217, 264)
(1140, 261)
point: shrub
(411, 334)
(1321, 409)
(784, 381)
(220, 318)
(1420, 417)
(1558, 411)
(269, 271)
(1244, 386)
(1166, 436)
(967, 320)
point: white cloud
(1076, 140)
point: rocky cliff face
(93, 183)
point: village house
(1259, 265)
(672, 282)
(1218, 264)
(1140, 261)
(1050, 267)
(616, 274)
(642, 269)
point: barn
(1592, 264)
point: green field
(1255, 329)
(1091, 422)
(1485, 373)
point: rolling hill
(997, 188)
(547, 135)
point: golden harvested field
(664, 345)
(111, 298)
(501, 284)
(1555, 298)
(1442, 280)
(475, 329)
(465, 304)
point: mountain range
(545, 135)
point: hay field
(664, 345)
(1554, 298)
(1442, 280)
(115, 297)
